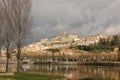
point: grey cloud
(83, 17)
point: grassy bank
(30, 76)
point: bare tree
(22, 18)
(0, 28)
(1, 25)
(8, 29)
(14, 19)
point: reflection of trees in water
(74, 71)
(71, 71)
(100, 72)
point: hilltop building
(63, 38)
(45, 40)
(94, 39)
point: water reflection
(72, 72)
(75, 72)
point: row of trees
(14, 25)
(103, 45)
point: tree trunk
(7, 63)
(118, 55)
(53, 56)
(18, 59)
(18, 65)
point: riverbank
(7, 74)
(103, 63)
(91, 63)
(31, 76)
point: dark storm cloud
(83, 17)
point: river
(72, 72)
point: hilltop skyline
(81, 17)
(79, 37)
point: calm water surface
(72, 72)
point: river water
(72, 72)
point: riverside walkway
(103, 60)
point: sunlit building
(66, 52)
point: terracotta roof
(65, 50)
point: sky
(82, 17)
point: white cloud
(113, 29)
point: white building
(45, 40)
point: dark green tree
(53, 51)
(115, 41)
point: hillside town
(62, 43)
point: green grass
(30, 76)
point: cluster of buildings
(49, 49)
(62, 42)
